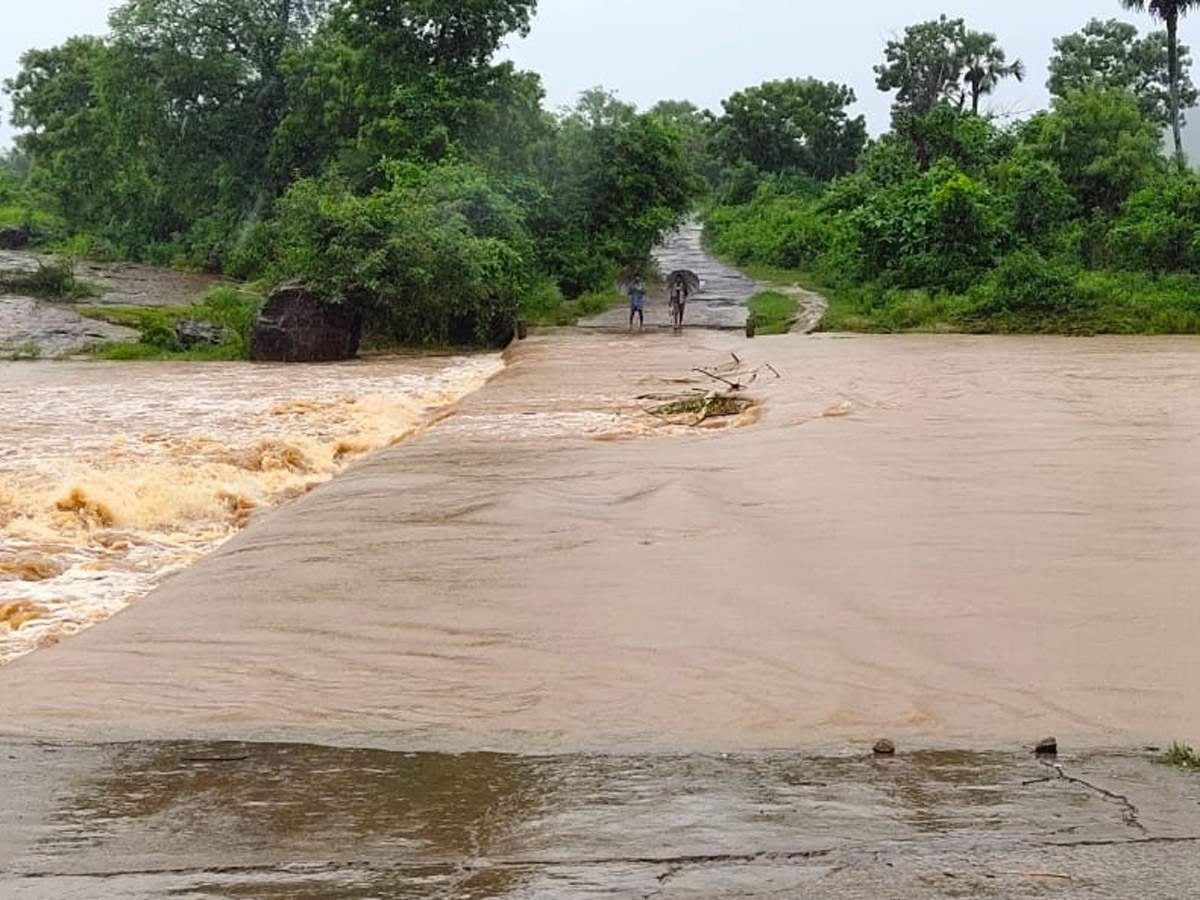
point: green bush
(232, 310)
(50, 280)
(773, 312)
(407, 258)
(1025, 283)
(158, 332)
(1160, 228)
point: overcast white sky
(700, 50)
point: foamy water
(115, 476)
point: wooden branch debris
(701, 405)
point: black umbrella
(688, 277)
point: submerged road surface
(683, 641)
(965, 542)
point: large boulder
(14, 238)
(297, 325)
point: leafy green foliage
(952, 223)
(50, 280)
(773, 312)
(1102, 147)
(231, 309)
(1160, 229)
(1110, 54)
(434, 258)
(792, 126)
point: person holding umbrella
(680, 290)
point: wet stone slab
(274, 822)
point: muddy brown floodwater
(957, 541)
(553, 646)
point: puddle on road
(278, 822)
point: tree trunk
(1173, 75)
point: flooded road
(219, 822)
(721, 302)
(953, 541)
(555, 646)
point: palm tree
(1170, 11)
(987, 65)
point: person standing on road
(680, 291)
(637, 301)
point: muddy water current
(115, 476)
(952, 541)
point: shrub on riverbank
(773, 312)
(49, 280)
(231, 310)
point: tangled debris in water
(701, 406)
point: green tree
(924, 67)
(437, 255)
(986, 66)
(793, 126)
(618, 181)
(1103, 147)
(1170, 11)
(1160, 228)
(419, 79)
(699, 129)
(938, 64)
(1110, 54)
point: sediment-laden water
(115, 476)
(950, 541)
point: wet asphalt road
(277, 822)
(720, 303)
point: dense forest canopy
(379, 151)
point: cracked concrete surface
(284, 821)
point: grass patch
(49, 281)
(547, 306)
(15, 215)
(1182, 756)
(26, 352)
(136, 351)
(773, 312)
(232, 310)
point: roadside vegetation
(379, 153)
(773, 312)
(1071, 221)
(376, 151)
(224, 317)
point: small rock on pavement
(885, 747)
(1048, 747)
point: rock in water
(1048, 747)
(297, 325)
(192, 332)
(885, 748)
(14, 238)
